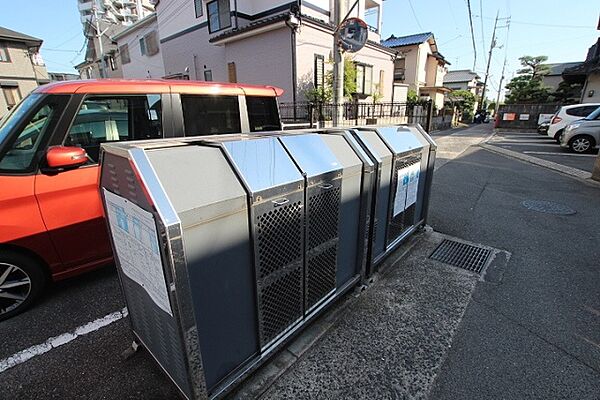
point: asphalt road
(537, 334)
(544, 147)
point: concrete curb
(563, 169)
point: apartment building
(101, 20)
(21, 67)
(420, 65)
(282, 43)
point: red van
(51, 219)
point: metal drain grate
(462, 255)
(548, 207)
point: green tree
(412, 96)
(464, 101)
(534, 66)
(528, 87)
(349, 77)
(568, 93)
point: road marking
(57, 341)
(559, 154)
(495, 143)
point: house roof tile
(409, 40)
(463, 75)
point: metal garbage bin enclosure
(244, 234)
(228, 245)
(404, 158)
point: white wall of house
(592, 83)
(263, 59)
(312, 40)
(141, 66)
(175, 16)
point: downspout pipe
(293, 23)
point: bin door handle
(280, 202)
(326, 186)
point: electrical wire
(482, 31)
(415, 15)
(472, 33)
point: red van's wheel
(22, 280)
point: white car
(567, 114)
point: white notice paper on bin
(413, 184)
(401, 188)
(136, 244)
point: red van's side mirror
(66, 157)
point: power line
(548, 25)
(472, 34)
(415, 15)
(482, 31)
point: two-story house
(464, 79)
(21, 67)
(420, 65)
(276, 42)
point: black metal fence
(353, 114)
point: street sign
(352, 34)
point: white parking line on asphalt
(57, 341)
(503, 143)
(559, 154)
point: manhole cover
(462, 255)
(548, 207)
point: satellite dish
(352, 34)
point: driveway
(541, 146)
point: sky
(563, 30)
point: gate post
(429, 116)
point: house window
(124, 52)
(218, 15)
(198, 8)
(149, 44)
(208, 75)
(364, 79)
(142, 46)
(232, 72)
(4, 56)
(12, 95)
(319, 71)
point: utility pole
(487, 70)
(500, 88)
(338, 65)
(98, 36)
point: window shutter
(231, 72)
(151, 43)
(124, 52)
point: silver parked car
(582, 135)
